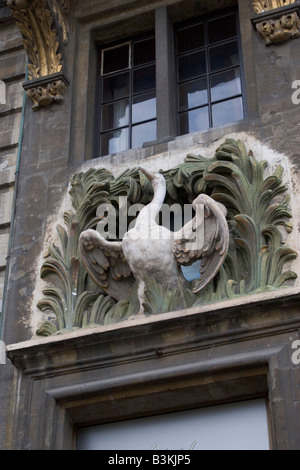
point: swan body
(150, 249)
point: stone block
(10, 37)
(14, 93)
(4, 239)
(8, 158)
(9, 129)
(6, 200)
(12, 64)
(7, 176)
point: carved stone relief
(276, 20)
(44, 27)
(256, 209)
(261, 6)
(152, 250)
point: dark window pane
(143, 133)
(222, 29)
(116, 59)
(221, 57)
(144, 52)
(191, 66)
(192, 94)
(115, 115)
(115, 87)
(143, 107)
(144, 79)
(190, 38)
(194, 121)
(225, 84)
(114, 142)
(227, 112)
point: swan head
(156, 179)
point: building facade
(208, 94)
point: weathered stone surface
(3, 249)
(14, 96)
(6, 200)
(12, 64)
(210, 346)
(10, 37)
(10, 129)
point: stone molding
(109, 373)
(277, 25)
(47, 90)
(44, 27)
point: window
(143, 95)
(128, 98)
(235, 426)
(208, 74)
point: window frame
(167, 103)
(131, 95)
(205, 19)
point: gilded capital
(21, 4)
(260, 6)
(44, 27)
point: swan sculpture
(150, 249)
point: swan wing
(205, 238)
(106, 264)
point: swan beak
(149, 175)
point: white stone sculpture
(150, 249)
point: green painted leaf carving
(258, 213)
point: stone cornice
(192, 329)
(44, 27)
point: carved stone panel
(257, 261)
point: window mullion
(165, 80)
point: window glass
(143, 107)
(144, 52)
(193, 121)
(227, 112)
(191, 65)
(193, 93)
(127, 110)
(114, 142)
(225, 84)
(190, 38)
(116, 58)
(208, 73)
(115, 87)
(143, 133)
(222, 28)
(144, 79)
(225, 56)
(231, 426)
(115, 115)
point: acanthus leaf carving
(261, 6)
(257, 211)
(39, 21)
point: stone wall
(53, 377)
(12, 73)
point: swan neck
(150, 212)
